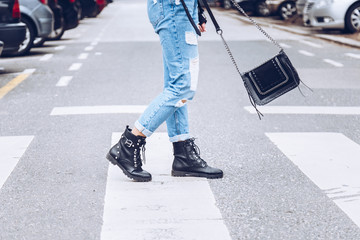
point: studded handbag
(271, 79)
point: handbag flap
(268, 76)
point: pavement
(295, 26)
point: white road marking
(94, 43)
(29, 71)
(60, 48)
(89, 48)
(75, 66)
(331, 161)
(311, 44)
(98, 53)
(64, 81)
(305, 110)
(11, 150)
(80, 110)
(353, 55)
(83, 56)
(284, 45)
(334, 63)
(46, 57)
(165, 208)
(306, 53)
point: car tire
(287, 10)
(352, 19)
(27, 44)
(262, 9)
(39, 41)
(57, 33)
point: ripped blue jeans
(181, 68)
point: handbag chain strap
(256, 24)
(220, 32)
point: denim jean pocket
(155, 11)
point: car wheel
(227, 4)
(352, 19)
(57, 33)
(39, 41)
(287, 10)
(27, 44)
(262, 9)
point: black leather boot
(126, 154)
(187, 162)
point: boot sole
(192, 174)
(114, 162)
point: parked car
(59, 25)
(327, 14)
(284, 8)
(12, 31)
(1, 47)
(39, 22)
(257, 7)
(300, 5)
(70, 14)
(89, 8)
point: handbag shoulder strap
(219, 31)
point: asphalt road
(57, 185)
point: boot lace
(137, 155)
(195, 151)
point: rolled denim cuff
(181, 137)
(142, 129)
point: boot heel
(111, 159)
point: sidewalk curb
(331, 38)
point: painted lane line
(46, 57)
(94, 43)
(305, 110)
(311, 44)
(16, 81)
(89, 48)
(284, 45)
(64, 81)
(77, 110)
(353, 55)
(98, 53)
(331, 161)
(165, 208)
(75, 66)
(58, 48)
(11, 150)
(309, 54)
(334, 63)
(83, 56)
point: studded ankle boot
(126, 155)
(187, 162)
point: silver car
(300, 5)
(333, 14)
(39, 21)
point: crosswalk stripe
(11, 150)
(305, 110)
(165, 208)
(331, 161)
(79, 110)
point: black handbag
(271, 79)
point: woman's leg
(181, 65)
